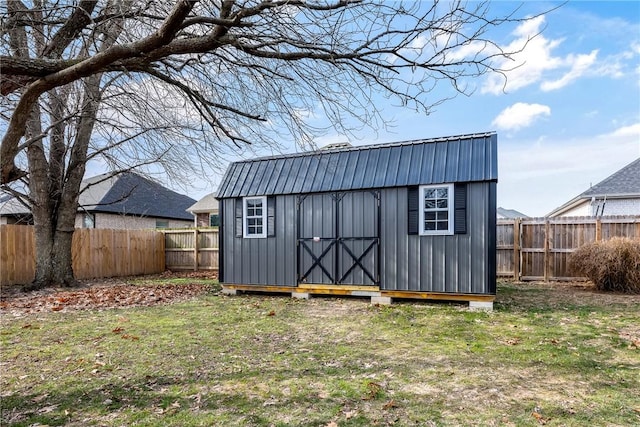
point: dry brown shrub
(612, 265)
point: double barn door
(339, 238)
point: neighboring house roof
(207, 204)
(132, 194)
(463, 158)
(510, 213)
(9, 205)
(127, 193)
(624, 183)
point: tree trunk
(54, 225)
(53, 258)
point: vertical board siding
(454, 264)
(264, 261)
(545, 244)
(95, 253)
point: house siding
(114, 221)
(621, 206)
(267, 261)
(202, 220)
(454, 263)
(450, 263)
(630, 206)
(584, 209)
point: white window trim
(450, 209)
(245, 230)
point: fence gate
(339, 238)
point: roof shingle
(625, 182)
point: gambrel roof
(465, 158)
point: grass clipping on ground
(547, 355)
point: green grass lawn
(543, 356)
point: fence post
(516, 249)
(598, 229)
(547, 251)
(195, 249)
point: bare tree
(136, 82)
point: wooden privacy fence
(538, 248)
(95, 253)
(192, 249)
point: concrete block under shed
(481, 305)
(381, 300)
(300, 295)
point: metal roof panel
(430, 161)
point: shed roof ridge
(372, 146)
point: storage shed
(414, 219)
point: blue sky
(570, 116)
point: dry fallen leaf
(130, 337)
(542, 420)
(119, 295)
(390, 404)
(374, 390)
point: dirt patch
(104, 294)
(553, 294)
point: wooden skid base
(360, 291)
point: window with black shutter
(255, 217)
(437, 209)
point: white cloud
(528, 66)
(537, 63)
(539, 176)
(579, 65)
(625, 131)
(520, 115)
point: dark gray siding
(459, 263)
(269, 261)
(464, 158)
(454, 264)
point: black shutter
(460, 209)
(413, 209)
(239, 212)
(271, 216)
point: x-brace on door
(339, 238)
